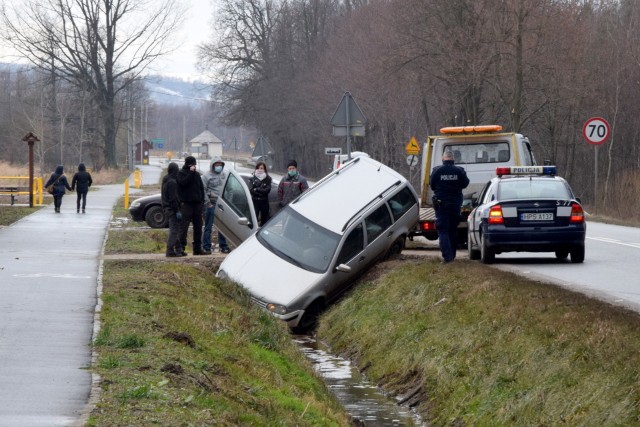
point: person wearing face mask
(260, 186)
(292, 185)
(213, 181)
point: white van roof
(346, 191)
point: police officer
(447, 182)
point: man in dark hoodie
(80, 183)
(171, 206)
(191, 193)
(59, 182)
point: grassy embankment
(492, 350)
(179, 347)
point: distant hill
(175, 91)
(162, 89)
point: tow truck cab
(477, 149)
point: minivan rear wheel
(396, 248)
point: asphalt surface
(49, 277)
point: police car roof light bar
(527, 170)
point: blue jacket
(448, 181)
(60, 184)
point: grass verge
(180, 347)
(10, 214)
(495, 350)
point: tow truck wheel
(487, 256)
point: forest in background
(538, 67)
(278, 70)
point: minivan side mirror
(344, 268)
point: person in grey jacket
(213, 181)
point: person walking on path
(213, 181)
(292, 185)
(59, 182)
(171, 206)
(80, 183)
(191, 193)
(447, 182)
(260, 186)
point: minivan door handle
(390, 234)
(362, 258)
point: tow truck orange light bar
(471, 129)
(527, 170)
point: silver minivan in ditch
(314, 248)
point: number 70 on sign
(596, 131)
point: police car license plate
(547, 216)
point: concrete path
(49, 270)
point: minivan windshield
(299, 241)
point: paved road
(49, 267)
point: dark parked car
(527, 209)
(149, 208)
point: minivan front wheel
(309, 318)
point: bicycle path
(49, 274)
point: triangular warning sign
(412, 146)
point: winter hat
(293, 163)
(189, 160)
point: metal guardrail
(14, 186)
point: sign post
(596, 131)
(348, 120)
(413, 149)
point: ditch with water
(364, 402)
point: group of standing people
(80, 183)
(189, 198)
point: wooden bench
(13, 192)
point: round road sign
(412, 160)
(596, 131)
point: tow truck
(479, 150)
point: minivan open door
(235, 216)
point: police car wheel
(474, 254)
(487, 256)
(577, 254)
(562, 254)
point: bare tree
(94, 44)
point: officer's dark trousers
(191, 213)
(447, 220)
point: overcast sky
(196, 29)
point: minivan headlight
(277, 308)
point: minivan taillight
(577, 214)
(495, 215)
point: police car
(526, 209)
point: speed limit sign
(596, 131)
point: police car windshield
(534, 188)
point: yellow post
(126, 193)
(137, 178)
(41, 190)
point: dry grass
(102, 177)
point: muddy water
(363, 401)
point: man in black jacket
(447, 182)
(171, 206)
(81, 182)
(191, 193)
